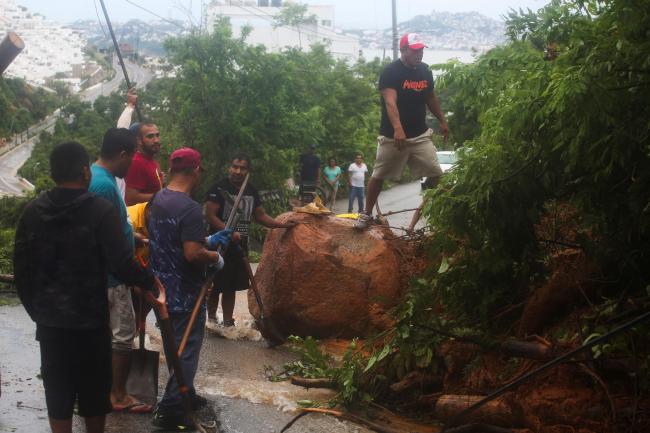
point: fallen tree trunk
(415, 379)
(496, 412)
(480, 428)
(529, 349)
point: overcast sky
(349, 13)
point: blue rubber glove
(222, 238)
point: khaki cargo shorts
(419, 153)
(122, 318)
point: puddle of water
(243, 330)
(282, 395)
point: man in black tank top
(406, 87)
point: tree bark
(497, 412)
(529, 350)
(415, 379)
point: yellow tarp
(351, 216)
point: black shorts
(234, 275)
(76, 366)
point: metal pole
(119, 55)
(394, 29)
(10, 47)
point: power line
(158, 16)
(99, 20)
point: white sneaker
(363, 221)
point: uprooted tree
(542, 231)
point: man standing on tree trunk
(406, 87)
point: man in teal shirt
(114, 160)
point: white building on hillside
(259, 16)
(49, 47)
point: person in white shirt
(357, 181)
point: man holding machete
(234, 276)
(178, 255)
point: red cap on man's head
(413, 41)
(184, 157)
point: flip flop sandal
(138, 407)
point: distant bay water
(431, 55)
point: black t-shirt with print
(413, 85)
(250, 201)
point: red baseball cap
(185, 157)
(413, 41)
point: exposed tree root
(478, 428)
(346, 416)
(324, 382)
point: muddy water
(231, 374)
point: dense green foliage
(10, 210)
(539, 128)
(570, 126)
(22, 105)
(558, 116)
(295, 15)
(228, 96)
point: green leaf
(384, 352)
(444, 265)
(371, 362)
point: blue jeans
(172, 403)
(356, 191)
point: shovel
(143, 375)
(173, 361)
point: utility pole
(394, 29)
